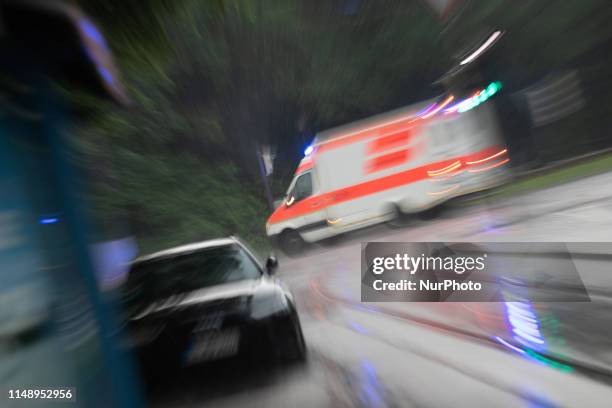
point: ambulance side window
(303, 187)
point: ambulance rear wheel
(291, 243)
(431, 213)
(398, 218)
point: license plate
(212, 345)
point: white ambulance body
(404, 161)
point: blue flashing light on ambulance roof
(308, 151)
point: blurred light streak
(501, 163)
(526, 331)
(315, 287)
(444, 170)
(308, 151)
(527, 342)
(522, 336)
(479, 97)
(532, 354)
(332, 222)
(529, 319)
(547, 361)
(50, 220)
(371, 386)
(112, 259)
(488, 158)
(523, 313)
(524, 323)
(358, 328)
(519, 306)
(92, 32)
(427, 109)
(448, 177)
(108, 77)
(510, 346)
(453, 107)
(529, 325)
(482, 48)
(439, 108)
(448, 190)
(490, 229)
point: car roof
(188, 248)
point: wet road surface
(433, 354)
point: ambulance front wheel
(291, 242)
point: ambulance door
(304, 198)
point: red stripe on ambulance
(387, 160)
(317, 203)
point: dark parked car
(209, 300)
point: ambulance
(402, 162)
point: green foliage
(151, 168)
